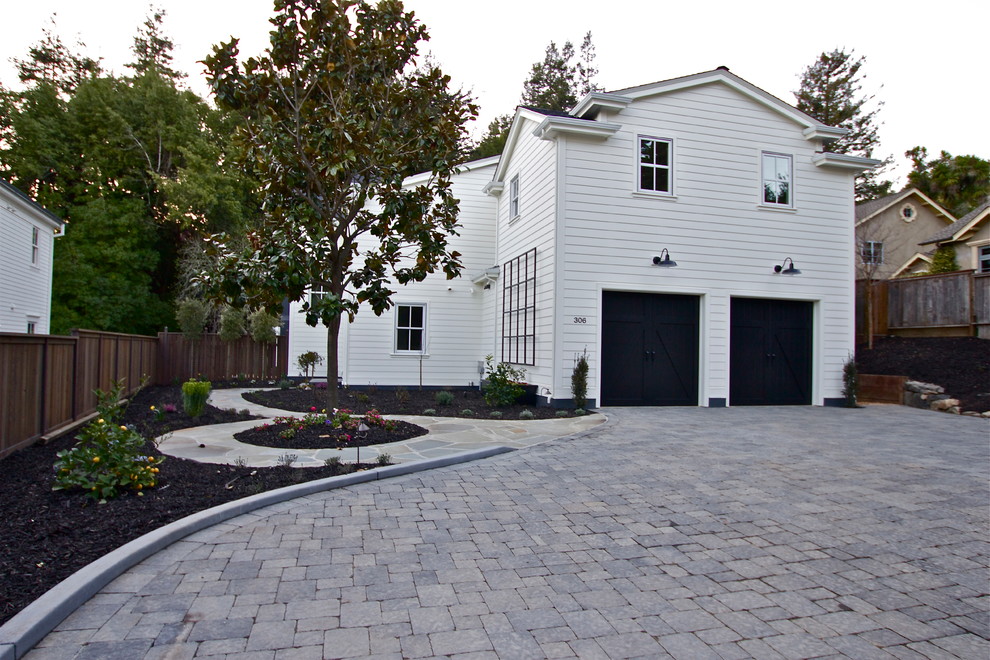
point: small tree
(944, 260)
(231, 324)
(307, 364)
(850, 382)
(579, 381)
(261, 325)
(335, 117)
(192, 314)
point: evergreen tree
(831, 93)
(957, 183)
(493, 141)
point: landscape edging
(34, 622)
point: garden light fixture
(664, 259)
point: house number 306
(580, 319)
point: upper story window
(316, 293)
(410, 328)
(908, 212)
(655, 163)
(32, 327)
(514, 197)
(519, 309)
(35, 243)
(872, 252)
(777, 176)
(984, 264)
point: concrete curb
(34, 622)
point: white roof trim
(844, 161)
(980, 217)
(910, 262)
(900, 197)
(494, 188)
(23, 204)
(595, 102)
(552, 127)
(818, 129)
(487, 276)
(423, 177)
(513, 137)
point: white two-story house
(28, 233)
(693, 237)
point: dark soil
(394, 402)
(320, 437)
(959, 364)
(46, 535)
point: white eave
(552, 127)
(23, 204)
(487, 276)
(595, 102)
(844, 161)
(493, 188)
(824, 132)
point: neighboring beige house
(889, 231)
(970, 236)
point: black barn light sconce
(784, 269)
(664, 260)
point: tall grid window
(777, 180)
(654, 164)
(872, 252)
(35, 239)
(514, 197)
(519, 309)
(410, 326)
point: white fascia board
(494, 188)
(844, 161)
(423, 177)
(918, 256)
(824, 132)
(551, 127)
(967, 227)
(522, 114)
(595, 102)
(487, 276)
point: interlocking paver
(764, 533)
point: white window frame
(410, 327)
(868, 252)
(316, 292)
(32, 327)
(983, 259)
(35, 245)
(668, 168)
(514, 197)
(764, 180)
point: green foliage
(580, 411)
(308, 361)
(556, 83)
(502, 386)
(579, 380)
(430, 412)
(444, 398)
(850, 382)
(285, 384)
(194, 395)
(286, 460)
(562, 413)
(526, 414)
(231, 324)
(402, 395)
(108, 457)
(192, 315)
(957, 183)
(335, 114)
(383, 460)
(261, 325)
(496, 414)
(493, 141)
(943, 261)
(332, 462)
(830, 92)
(467, 412)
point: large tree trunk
(333, 330)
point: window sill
(778, 208)
(645, 194)
(409, 354)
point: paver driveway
(685, 532)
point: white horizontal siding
(25, 288)
(725, 244)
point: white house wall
(25, 288)
(455, 311)
(724, 243)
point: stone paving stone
(685, 646)
(460, 641)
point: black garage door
(770, 352)
(649, 349)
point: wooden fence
(48, 381)
(950, 304)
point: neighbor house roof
(24, 198)
(875, 207)
(955, 231)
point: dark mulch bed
(45, 535)
(320, 437)
(390, 402)
(959, 364)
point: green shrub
(429, 412)
(285, 384)
(496, 414)
(384, 459)
(108, 458)
(402, 396)
(579, 381)
(191, 314)
(502, 383)
(526, 414)
(231, 324)
(286, 460)
(261, 325)
(943, 261)
(307, 362)
(362, 398)
(563, 413)
(850, 382)
(467, 412)
(194, 395)
(444, 398)
(332, 462)
(580, 411)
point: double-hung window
(655, 165)
(410, 328)
(514, 197)
(777, 178)
(984, 264)
(35, 244)
(872, 252)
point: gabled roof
(43, 213)
(910, 263)
(956, 230)
(875, 207)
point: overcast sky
(926, 61)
